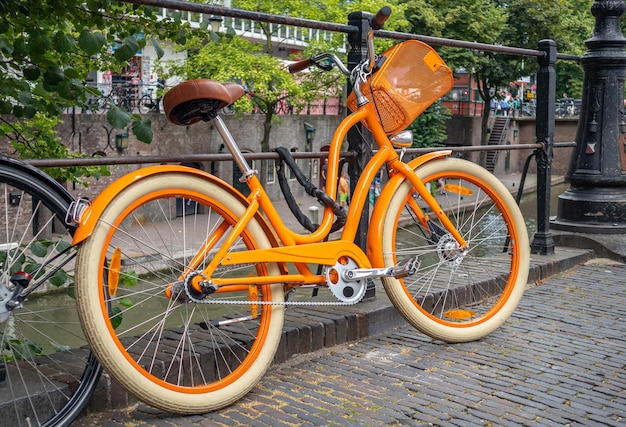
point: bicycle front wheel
(145, 104)
(172, 348)
(457, 294)
(47, 373)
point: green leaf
(91, 42)
(53, 76)
(31, 73)
(30, 111)
(24, 350)
(39, 42)
(181, 37)
(130, 278)
(39, 249)
(35, 269)
(143, 130)
(73, 73)
(60, 348)
(25, 97)
(5, 107)
(116, 317)
(18, 111)
(118, 118)
(157, 47)
(62, 245)
(59, 278)
(19, 48)
(126, 302)
(71, 290)
(128, 49)
(63, 42)
(214, 36)
(96, 5)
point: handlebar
(326, 61)
(378, 21)
(300, 65)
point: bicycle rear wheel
(457, 295)
(172, 348)
(47, 373)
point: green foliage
(47, 49)
(116, 317)
(32, 260)
(37, 138)
(518, 23)
(127, 278)
(14, 349)
(429, 129)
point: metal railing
(359, 152)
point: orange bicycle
(186, 310)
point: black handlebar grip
(378, 20)
(300, 65)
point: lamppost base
(587, 228)
(595, 210)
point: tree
(265, 78)
(47, 49)
(519, 23)
(269, 85)
(458, 20)
(429, 129)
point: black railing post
(542, 242)
(359, 138)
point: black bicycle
(150, 101)
(47, 372)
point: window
(271, 171)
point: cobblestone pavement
(559, 360)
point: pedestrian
(324, 173)
(504, 106)
(343, 189)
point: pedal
(407, 267)
(404, 268)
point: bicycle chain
(283, 303)
(250, 302)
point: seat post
(230, 142)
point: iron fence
(358, 150)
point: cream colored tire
(199, 371)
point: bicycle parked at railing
(122, 95)
(182, 281)
(47, 373)
(151, 102)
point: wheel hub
(449, 251)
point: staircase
(496, 137)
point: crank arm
(404, 268)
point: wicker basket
(412, 77)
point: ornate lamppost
(596, 199)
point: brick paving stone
(559, 360)
(606, 420)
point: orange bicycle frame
(301, 249)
